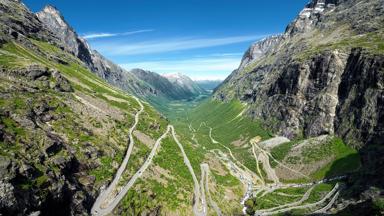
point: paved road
(304, 198)
(329, 205)
(268, 154)
(199, 205)
(311, 205)
(105, 195)
(105, 203)
(134, 178)
(257, 165)
(245, 175)
(205, 175)
(254, 176)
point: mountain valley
(296, 129)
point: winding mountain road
(205, 175)
(257, 165)
(304, 198)
(254, 176)
(269, 155)
(198, 210)
(104, 204)
(333, 192)
(104, 196)
(109, 198)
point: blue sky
(204, 39)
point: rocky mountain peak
(310, 15)
(51, 17)
(51, 12)
(175, 76)
(178, 78)
(259, 49)
(184, 81)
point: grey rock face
(259, 49)
(326, 92)
(324, 14)
(301, 96)
(20, 22)
(360, 112)
(69, 40)
(325, 76)
(54, 21)
(61, 83)
(310, 16)
(7, 197)
(117, 76)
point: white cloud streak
(197, 69)
(105, 35)
(150, 47)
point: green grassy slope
(229, 126)
(83, 129)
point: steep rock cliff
(293, 81)
(323, 76)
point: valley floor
(243, 169)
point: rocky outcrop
(37, 165)
(54, 21)
(260, 49)
(310, 16)
(325, 14)
(18, 22)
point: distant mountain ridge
(208, 85)
(184, 82)
(138, 81)
(175, 88)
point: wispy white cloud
(98, 35)
(220, 55)
(198, 68)
(176, 44)
(105, 35)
